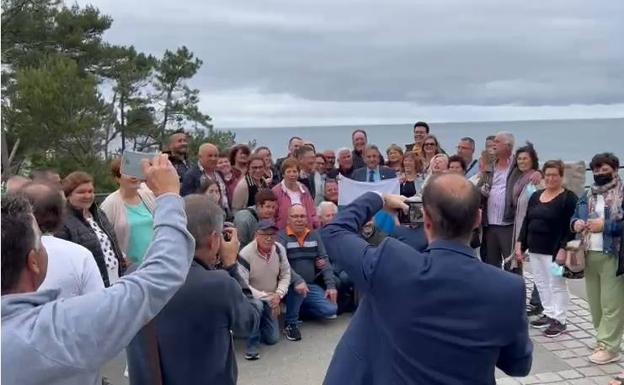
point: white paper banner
(349, 190)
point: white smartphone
(131, 163)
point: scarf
(521, 184)
(613, 193)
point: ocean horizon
(565, 139)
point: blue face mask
(530, 189)
(556, 270)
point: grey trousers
(498, 244)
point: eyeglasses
(430, 144)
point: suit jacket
(361, 174)
(192, 331)
(438, 317)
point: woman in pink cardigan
(290, 192)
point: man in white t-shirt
(71, 267)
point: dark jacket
(76, 229)
(192, 332)
(181, 165)
(414, 237)
(441, 337)
(358, 159)
(333, 174)
(361, 174)
(192, 181)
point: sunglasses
(430, 144)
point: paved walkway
(556, 361)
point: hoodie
(50, 341)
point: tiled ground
(557, 361)
(570, 349)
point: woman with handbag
(600, 212)
(545, 232)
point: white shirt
(295, 196)
(112, 265)
(596, 239)
(71, 268)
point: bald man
(15, 183)
(206, 168)
(308, 260)
(436, 317)
(178, 153)
(71, 268)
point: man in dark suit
(373, 171)
(190, 340)
(438, 317)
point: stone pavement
(556, 361)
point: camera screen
(414, 214)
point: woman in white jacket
(130, 210)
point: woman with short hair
(290, 192)
(412, 178)
(599, 219)
(545, 231)
(395, 158)
(88, 226)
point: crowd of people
(253, 235)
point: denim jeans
(314, 305)
(267, 330)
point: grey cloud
(446, 52)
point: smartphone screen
(414, 215)
(131, 163)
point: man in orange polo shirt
(308, 262)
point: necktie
(371, 175)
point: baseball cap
(266, 224)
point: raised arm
(90, 330)
(347, 247)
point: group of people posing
(258, 251)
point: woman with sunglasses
(430, 148)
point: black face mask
(602, 179)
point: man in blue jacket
(374, 170)
(438, 317)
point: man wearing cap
(263, 265)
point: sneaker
(251, 354)
(602, 356)
(541, 323)
(555, 329)
(292, 333)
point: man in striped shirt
(308, 262)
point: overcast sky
(279, 63)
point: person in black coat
(87, 226)
(189, 342)
(373, 171)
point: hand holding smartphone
(131, 163)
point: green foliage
(180, 103)
(55, 62)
